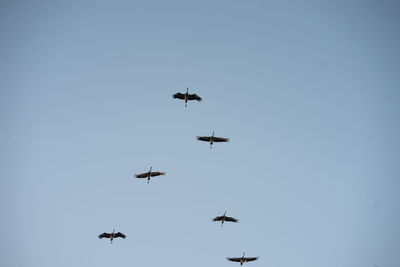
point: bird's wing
(106, 235)
(119, 234)
(157, 173)
(142, 175)
(194, 97)
(179, 96)
(221, 139)
(204, 138)
(219, 218)
(251, 259)
(234, 259)
(231, 219)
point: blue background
(307, 91)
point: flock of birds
(210, 139)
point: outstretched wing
(142, 175)
(231, 219)
(157, 173)
(221, 139)
(119, 234)
(219, 218)
(203, 138)
(194, 97)
(179, 96)
(234, 259)
(106, 235)
(251, 259)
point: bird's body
(149, 174)
(212, 139)
(242, 259)
(224, 218)
(112, 235)
(187, 96)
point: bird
(112, 235)
(212, 139)
(224, 218)
(149, 174)
(187, 96)
(242, 259)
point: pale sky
(307, 91)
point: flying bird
(224, 218)
(149, 174)
(187, 96)
(242, 259)
(212, 139)
(112, 235)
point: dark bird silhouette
(149, 174)
(242, 259)
(112, 235)
(224, 218)
(212, 139)
(187, 96)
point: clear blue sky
(308, 92)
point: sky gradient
(307, 92)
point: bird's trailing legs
(211, 140)
(148, 177)
(223, 219)
(112, 236)
(186, 96)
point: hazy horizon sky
(307, 92)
